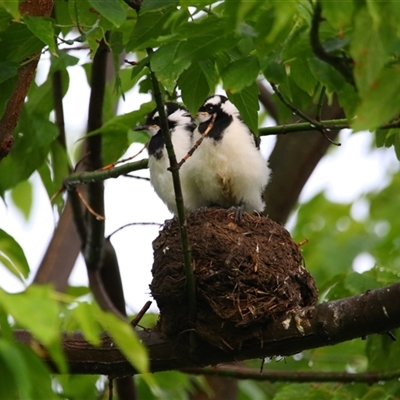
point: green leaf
(367, 51)
(148, 28)
(382, 352)
(12, 256)
(38, 372)
(326, 74)
(157, 5)
(194, 87)
(6, 90)
(79, 386)
(123, 123)
(18, 367)
(208, 68)
(138, 70)
(81, 13)
(84, 315)
(17, 43)
(62, 62)
(115, 142)
(32, 145)
(42, 28)
(305, 392)
(53, 172)
(12, 7)
(240, 74)
(247, 103)
(397, 145)
(339, 14)
(113, 10)
(8, 69)
(302, 76)
(195, 48)
(22, 196)
(125, 338)
(37, 310)
(164, 65)
(380, 101)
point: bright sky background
(344, 174)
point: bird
(227, 169)
(181, 126)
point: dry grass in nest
(247, 275)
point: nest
(247, 275)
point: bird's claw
(238, 213)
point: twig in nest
(198, 143)
(112, 165)
(302, 242)
(90, 209)
(140, 314)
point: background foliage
(198, 45)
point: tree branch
(174, 168)
(341, 64)
(25, 75)
(295, 376)
(326, 324)
(78, 178)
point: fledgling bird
(181, 126)
(227, 169)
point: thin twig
(303, 116)
(137, 177)
(133, 224)
(187, 256)
(78, 178)
(112, 165)
(140, 314)
(90, 209)
(198, 143)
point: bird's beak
(141, 128)
(152, 130)
(203, 116)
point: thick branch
(326, 324)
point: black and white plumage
(181, 127)
(227, 169)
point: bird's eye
(210, 108)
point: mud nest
(247, 275)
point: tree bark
(375, 311)
(25, 75)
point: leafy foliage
(198, 45)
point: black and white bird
(181, 126)
(227, 169)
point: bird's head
(176, 115)
(216, 104)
